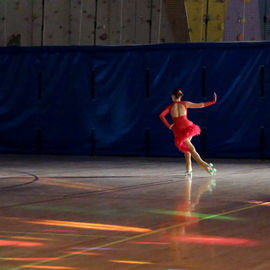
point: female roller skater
(184, 130)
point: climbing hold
(18, 5)
(222, 27)
(34, 17)
(207, 18)
(243, 20)
(14, 40)
(104, 36)
(240, 37)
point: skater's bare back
(178, 110)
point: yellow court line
(148, 233)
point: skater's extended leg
(196, 156)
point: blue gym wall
(106, 100)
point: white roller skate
(211, 169)
(188, 174)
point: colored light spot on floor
(48, 267)
(28, 259)
(130, 262)
(190, 214)
(151, 243)
(84, 253)
(215, 240)
(4, 243)
(92, 226)
(29, 238)
(71, 231)
(260, 203)
(85, 248)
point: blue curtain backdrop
(107, 100)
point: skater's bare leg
(196, 156)
(188, 162)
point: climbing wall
(57, 22)
(156, 12)
(81, 20)
(72, 22)
(143, 22)
(133, 22)
(3, 20)
(198, 12)
(69, 22)
(264, 7)
(175, 15)
(115, 22)
(216, 18)
(162, 25)
(242, 21)
(20, 22)
(129, 10)
(109, 18)
(123, 22)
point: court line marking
(94, 192)
(11, 187)
(127, 239)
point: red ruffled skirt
(183, 129)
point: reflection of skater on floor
(190, 201)
(184, 130)
(187, 218)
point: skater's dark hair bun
(177, 93)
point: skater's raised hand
(215, 97)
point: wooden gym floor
(62, 212)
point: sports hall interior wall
(103, 100)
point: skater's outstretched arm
(202, 104)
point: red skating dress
(182, 128)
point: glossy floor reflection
(133, 213)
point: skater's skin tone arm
(202, 104)
(192, 105)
